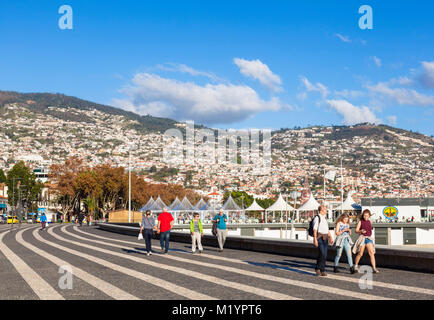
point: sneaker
(193, 252)
(200, 251)
(318, 272)
(335, 270)
(376, 271)
(148, 254)
(356, 269)
(323, 274)
(352, 270)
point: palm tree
(90, 203)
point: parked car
(13, 219)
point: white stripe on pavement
(187, 293)
(41, 288)
(330, 276)
(100, 284)
(257, 275)
(219, 281)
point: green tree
(2, 176)
(22, 184)
(240, 198)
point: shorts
(368, 241)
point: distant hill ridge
(40, 103)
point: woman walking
(365, 240)
(148, 224)
(343, 241)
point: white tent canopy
(200, 205)
(147, 205)
(310, 205)
(280, 205)
(158, 205)
(255, 207)
(185, 205)
(174, 203)
(230, 205)
(348, 204)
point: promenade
(107, 265)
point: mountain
(40, 103)
(45, 128)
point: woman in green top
(196, 230)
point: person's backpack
(214, 228)
(312, 223)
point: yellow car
(13, 219)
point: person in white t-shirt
(321, 238)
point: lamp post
(129, 187)
(13, 200)
(242, 207)
(19, 201)
(294, 195)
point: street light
(132, 145)
(13, 200)
(294, 195)
(19, 201)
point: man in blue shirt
(43, 221)
(221, 219)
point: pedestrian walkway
(107, 265)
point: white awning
(310, 205)
(280, 205)
(255, 207)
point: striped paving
(41, 288)
(177, 274)
(253, 274)
(212, 279)
(388, 285)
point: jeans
(164, 240)
(322, 254)
(345, 246)
(367, 241)
(148, 236)
(221, 237)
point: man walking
(165, 224)
(221, 219)
(196, 230)
(321, 238)
(43, 221)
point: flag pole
(342, 189)
(324, 182)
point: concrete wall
(403, 211)
(396, 237)
(424, 236)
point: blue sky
(230, 64)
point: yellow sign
(390, 212)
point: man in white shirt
(321, 238)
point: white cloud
(402, 96)
(257, 70)
(208, 104)
(353, 114)
(343, 38)
(319, 87)
(349, 94)
(178, 67)
(392, 120)
(377, 61)
(427, 76)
